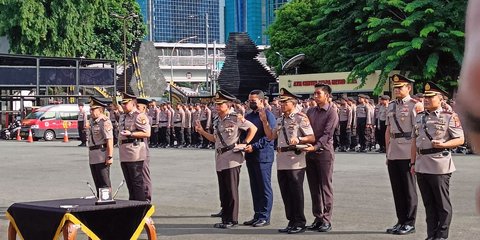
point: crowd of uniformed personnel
(416, 133)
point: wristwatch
(109, 157)
(411, 164)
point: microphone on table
(118, 188)
(91, 189)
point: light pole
(124, 18)
(171, 56)
(281, 58)
(206, 51)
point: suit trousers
(361, 132)
(81, 131)
(153, 136)
(260, 174)
(147, 181)
(345, 140)
(228, 180)
(187, 133)
(101, 175)
(436, 199)
(291, 188)
(404, 190)
(132, 171)
(164, 135)
(179, 135)
(320, 181)
(205, 141)
(381, 134)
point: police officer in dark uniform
(227, 162)
(436, 132)
(100, 142)
(259, 155)
(82, 124)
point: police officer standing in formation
(381, 127)
(142, 105)
(134, 130)
(153, 114)
(345, 118)
(81, 125)
(320, 158)
(178, 125)
(398, 137)
(100, 142)
(187, 127)
(163, 123)
(206, 121)
(363, 120)
(291, 129)
(353, 136)
(436, 132)
(259, 155)
(227, 162)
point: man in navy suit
(259, 155)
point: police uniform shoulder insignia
(107, 125)
(142, 119)
(456, 120)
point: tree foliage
(424, 38)
(69, 28)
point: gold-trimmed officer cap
(285, 95)
(127, 97)
(222, 96)
(432, 89)
(400, 80)
(95, 103)
(143, 101)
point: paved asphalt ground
(186, 192)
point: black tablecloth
(44, 219)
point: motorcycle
(12, 130)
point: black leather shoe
(295, 230)
(405, 229)
(261, 223)
(326, 227)
(250, 222)
(219, 214)
(439, 238)
(315, 226)
(394, 228)
(225, 225)
(285, 230)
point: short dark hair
(324, 87)
(260, 93)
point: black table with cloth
(46, 219)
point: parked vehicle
(48, 122)
(11, 131)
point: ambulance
(50, 122)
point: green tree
(422, 37)
(69, 28)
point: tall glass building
(251, 16)
(173, 20)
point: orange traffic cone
(30, 137)
(18, 135)
(65, 136)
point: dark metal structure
(242, 72)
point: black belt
(97, 147)
(162, 121)
(285, 149)
(225, 149)
(401, 135)
(132, 140)
(432, 150)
